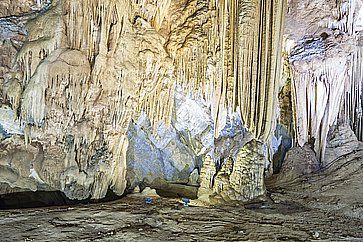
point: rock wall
(327, 80)
(101, 95)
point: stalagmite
(245, 75)
(233, 181)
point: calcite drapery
(83, 85)
(103, 62)
(89, 67)
(353, 99)
(237, 68)
(237, 64)
(317, 94)
(327, 80)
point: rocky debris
(19, 8)
(148, 192)
(174, 190)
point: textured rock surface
(335, 188)
(326, 68)
(166, 220)
(76, 97)
(13, 17)
(21, 7)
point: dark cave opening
(38, 199)
(29, 199)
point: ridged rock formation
(102, 95)
(326, 74)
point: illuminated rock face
(111, 94)
(326, 73)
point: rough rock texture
(172, 154)
(21, 7)
(13, 16)
(335, 187)
(76, 96)
(326, 68)
(167, 220)
(108, 95)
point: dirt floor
(130, 219)
(326, 205)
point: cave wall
(99, 95)
(326, 69)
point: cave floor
(130, 219)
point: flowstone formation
(204, 95)
(327, 76)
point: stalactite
(317, 93)
(50, 77)
(346, 16)
(236, 67)
(154, 11)
(108, 62)
(45, 36)
(266, 69)
(327, 84)
(88, 86)
(14, 93)
(352, 110)
(95, 26)
(241, 62)
(157, 93)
